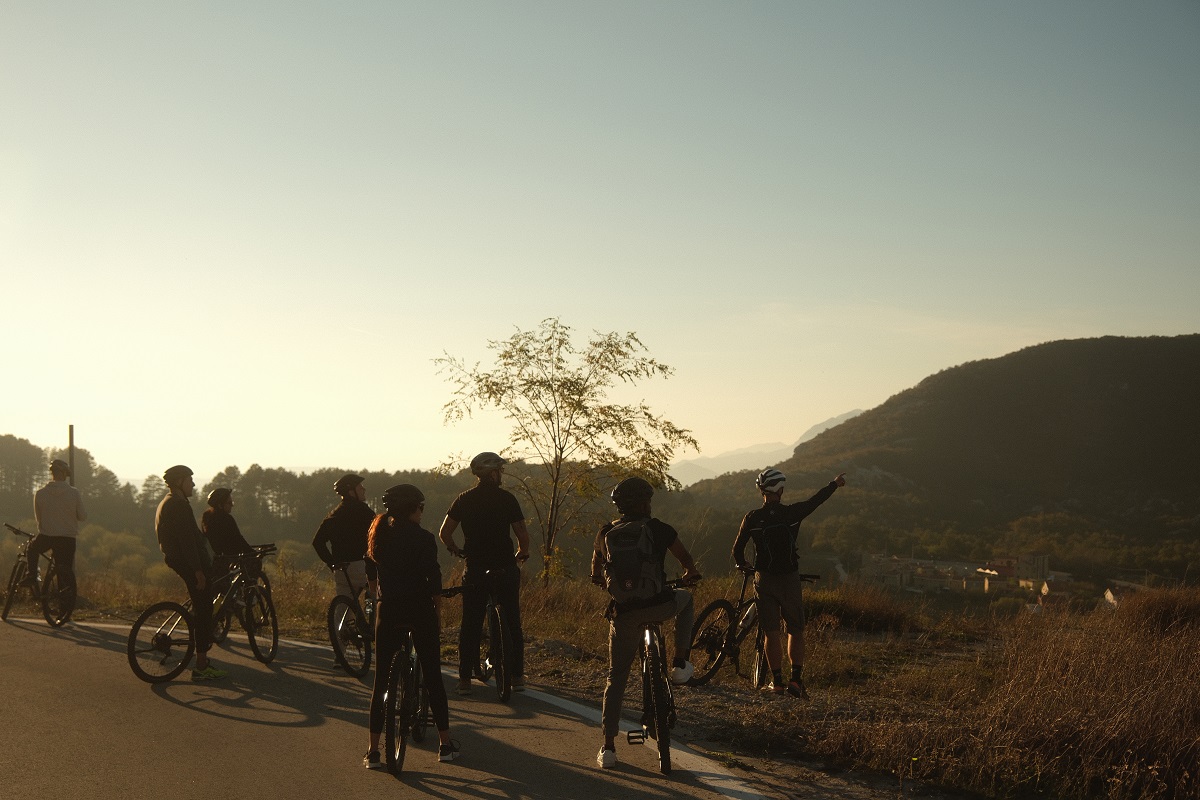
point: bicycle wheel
(347, 634)
(262, 627)
(397, 710)
(710, 640)
(161, 643)
(762, 669)
(221, 621)
(18, 575)
(660, 702)
(421, 716)
(499, 655)
(58, 598)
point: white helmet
(770, 480)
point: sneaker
(681, 675)
(464, 686)
(209, 673)
(448, 752)
(775, 688)
(372, 761)
(606, 758)
(518, 683)
(796, 689)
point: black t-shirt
(663, 536)
(223, 534)
(342, 537)
(486, 513)
(406, 558)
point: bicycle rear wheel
(58, 597)
(17, 575)
(710, 640)
(348, 635)
(422, 717)
(762, 669)
(397, 710)
(160, 642)
(660, 702)
(499, 654)
(262, 627)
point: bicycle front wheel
(397, 710)
(161, 643)
(58, 598)
(499, 655)
(262, 627)
(348, 635)
(18, 574)
(710, 640)
(422, 718)
(762, 669)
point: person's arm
(690, 573)
(739, 545)
(598, 559)
(446, 534)
(522, 540)
(320, 543)
(810, 505)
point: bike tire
(762, 669)
(347, 635)
(160, 643)
(711, 640)
(262, 626)
(397, 711)
(422, 717)
(222, 620)
(660, 702)
(500, 654)
(17, 575)
(58, 601)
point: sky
(236, 233)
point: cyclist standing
(342, 537)
(410, 586)
(486, 513)
(775, 529)
(185, 551)
(58, 509)
(632, 497)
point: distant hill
(1087, 449)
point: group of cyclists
(395, 559)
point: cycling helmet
(770, 480)
(176, 474)
(403, 499)
(484, 463)
(58, 465)
(219, 497)
(630, 492)
(347, 483)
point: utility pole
(71, 452)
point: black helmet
(484, 463)
(402, 499)
(176, 473)
(347, 483)
(219, 496)
(58, 465)
(630, 492)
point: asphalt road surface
(78, 724)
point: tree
(571, 436)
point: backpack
(775, 550)
(633, 570)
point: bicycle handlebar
(17, 530)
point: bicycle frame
(56, 605)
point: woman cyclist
(410, 586)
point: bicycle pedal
(636, 737)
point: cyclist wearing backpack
(774, 529)
(628, 560)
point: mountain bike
(658, 700)
(56, 598)
(351, 628)
(162, 641)
(498, 656)
(406, 703)
(715, 636)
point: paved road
(78, 724)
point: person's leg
(792, 609)
(37, 545)
(508, 593)
(623, 640)
(685, 616)
(201, 617)
(386, 642)
(474, 603)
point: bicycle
(351, 628)
(715, 636)
(406, 703)
(56, 600)
(161, 642)
(658, 699)
(497, 660)
(241, 569)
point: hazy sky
(241, 232)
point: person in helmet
(410, 598)
(632, 497)
(341, 539)
(223, 534)
(185, 551)
(775, 528)
(58, 510)
(487, 513)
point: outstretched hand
(840, 480)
